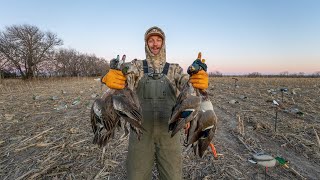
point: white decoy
(275, 103)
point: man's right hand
(114, 79)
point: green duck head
(281, 161)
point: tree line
(29, 52)
(284, 74)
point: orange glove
(114, 79)
(200, 80)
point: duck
(194, 112)
(202, 130)
(114, 107)
(185, 110)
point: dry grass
(44, 136)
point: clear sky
(234, 36)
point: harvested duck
(194, 112)
(113, 107)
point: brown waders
(157, 97)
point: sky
(234, 36)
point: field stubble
(46, 131)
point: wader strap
(165, 69)
(145, 66)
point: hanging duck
(194, 111)
(114, 106)
(185, 110)
(202, 130)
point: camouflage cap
(154, 31)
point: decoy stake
(235, 83)
(276, 120)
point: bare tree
(3, 63)
(101, 67)
(93, 66)
(254, 74)
(26, 46)
(316, 74)
(69, 62)
(284, 74)
(215, 74)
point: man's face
(154, 44)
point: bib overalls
(157, 97)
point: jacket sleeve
(134, 72)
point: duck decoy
(279, 104)
(266, 161)
(283, 91)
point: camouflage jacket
(175, 74)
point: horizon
(235, 37)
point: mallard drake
(194, 111)
(203, 127)
(185, 110)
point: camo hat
(154, 31)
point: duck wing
(183, 113)
(104, 120)
(106, 113)
(185, 110)
(205, 141)
(190, 104)
(127, 109)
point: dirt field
(46, 132)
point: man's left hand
(200, 80)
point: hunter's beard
(156, 61)
(155, 50)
